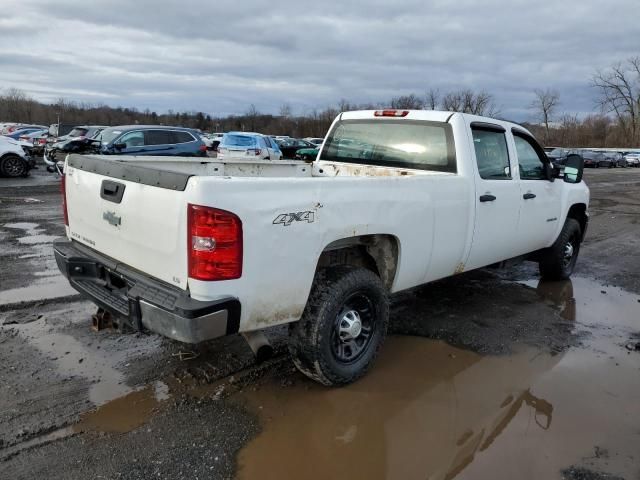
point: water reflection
(560, 294)
(425, 411)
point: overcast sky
(221, 56)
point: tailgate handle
(112, 191)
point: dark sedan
(596, 159)
(290, 146)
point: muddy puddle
(34, 246)
(429, 410)
(124, 413)
(45, 287)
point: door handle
(528, 196)
(487, 198)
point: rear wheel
(558, 261)
(343, 326)
(13, 166)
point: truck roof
(428, 115)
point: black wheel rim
(349, 342)
(14, 166)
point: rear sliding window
(392, 143)
(238, 141)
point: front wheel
(559, 260)
(13, 166)
(343, 325)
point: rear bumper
(144, 302)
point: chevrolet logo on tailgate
(112, 218)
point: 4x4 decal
(287, 219)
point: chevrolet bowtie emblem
(112, 218)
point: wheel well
(378, 253)
(578, 211)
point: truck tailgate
(135, 215)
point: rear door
(159, 142)
(540, 205)
(497, 199)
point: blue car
(151, 140)
(24, 131)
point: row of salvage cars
(596, 158)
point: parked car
(290, 146)
(82, 139)
(595, 159)
(14, 160)
(10, 129)
(307, 153)
(18, 132)
(633, 159)
(35, 141)
(151, 140)
(318, 247)
(617, 159)
(247, 145)
(59, 130)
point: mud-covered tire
(558, 261)
(13, 166)
(315, 340)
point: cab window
(492, 154)
(530, 162)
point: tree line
(616, 123)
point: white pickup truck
(194, 250)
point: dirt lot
(491, 374)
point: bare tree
(411, 101)
(285, 110)
(544, 105)
(619, 90)
(252, 115)
(467, 101)
(432, 99)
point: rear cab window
(492, 153)
(413, 144)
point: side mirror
(549, 171)
(119, 146)
(573, 169)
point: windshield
(108, 135)
(238, 141)
(393, 143)
(557, 152)
(78, 132)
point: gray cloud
(221, 56)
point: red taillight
(391, 113)
(214, 243)
(254, 151)
(63, 189)
(42, 141)
(202, 148)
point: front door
(497, 200)
(540, 201)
